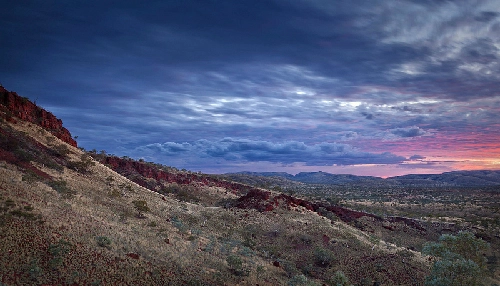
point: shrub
(83, 165)
(141, 207)
(460, 260)
(8, 143)
(60, 150)
(60, 248)
(234, 262)
(289, 267)
(24, 214)
(62, 188)
(55, 262)
(454, 272)
(339, 279)
(236, 265)
(115, 193)
(50, 163)
(323, 257)
(301, 280)
(57, 250)
(34, 270)
(9, 203)
(186, 193)
(103, 241)
(30, 177)
(23, 155)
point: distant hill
(457, 178)
(327, 178)
(451, 179)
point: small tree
(141, 207)
(460, 260)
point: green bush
(234, 262)
(177, 223)
(60, 150)
(141, 207)
(34, 270)
(24, 214)
(9, 203)
(236, 265)
(58, 250)
(62, 188)
(186, 193)
(103, 241)
(339, 279)
(323, 257)
(301, 280)
(289, 267)
(460, 260)
(23, 155)
(55, 262)
(30, 177)
(83, 165)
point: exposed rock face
(262, 201)
(265, 201)
(14, 105)
(139, 172)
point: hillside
(70, 217)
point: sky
(379, 88)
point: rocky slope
(158, 178)
(14, 107)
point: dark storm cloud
(141, 42)
(132, 43)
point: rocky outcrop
(142, 172)
(266, 201)
(15, 106)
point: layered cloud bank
(286, 153)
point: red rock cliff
(22, 108)
(129, 167)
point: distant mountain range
(482, 178)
